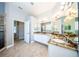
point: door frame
(16, 29)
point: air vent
(31, 3)
(20, 7)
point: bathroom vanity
(61, 46)
(58, 51)
(41, 38)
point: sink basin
(58, 40)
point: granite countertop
(56, 43)
(62, 45)
(45, 33)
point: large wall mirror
(46, 27)
(70, 25)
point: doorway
(18, 31)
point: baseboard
(2, 49)
(26, 42)
(9, 46)
(32, 41)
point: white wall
(12, 13)
(29, 29)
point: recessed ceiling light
(62, 3)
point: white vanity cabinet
(57, 51)
(42, 38)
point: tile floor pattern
(21, 49)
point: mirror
(70, 25)
(46, 27)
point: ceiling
(38, 8)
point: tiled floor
(21, 49)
